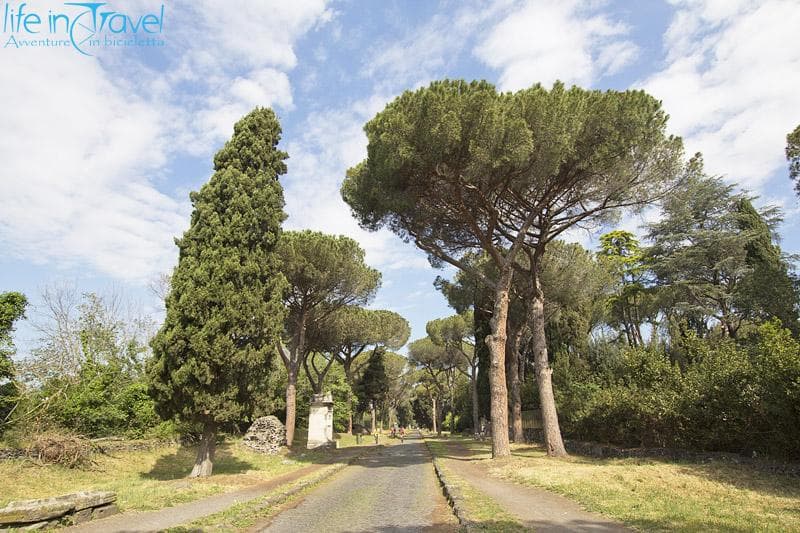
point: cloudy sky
(98, 153)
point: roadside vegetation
(658, 495)
(150, 479)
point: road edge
(452, 494)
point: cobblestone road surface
(394, 490)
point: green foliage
(107, 394)
(713, 258)
(576, 285)
(105, 400)
(738, 397)
(335, 383)
(213, 354)
(769, 290)
(793, 156)
(374, 382)
(632, 303)
(12, 308)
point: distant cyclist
(402, 433)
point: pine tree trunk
(544, 374)
(476, 419)
(372, 410)
(291, 403)
(435, 430)
(204, 462)
(349, 412)
(496, 342)
(514, 387)
(348, 376)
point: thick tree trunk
(476, 418)
(349, 378)
(372, 410)
(204, 462)
(496, 342)
(435, 416)
(349, 412)
(291, 403)
(482, 330)
(544, 374)
(514, 386)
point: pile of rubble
(266, 435)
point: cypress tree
(769, 290)
(224, 310)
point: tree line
(243, 294)
(491, 182)
(644, 344)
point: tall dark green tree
(793, 156)
(371, 389)
(225, 313)
(12, 308)
(769, 290)
(715, 261)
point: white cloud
(333, 142)
(731, 82)
(427, 51)
(548, 40)
(86, 139)
(77, 168)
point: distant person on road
(402, 433)
(376, 435)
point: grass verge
(480, 511)
(151, 479)
(660, 495)
(244, 516)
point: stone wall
(71, 509)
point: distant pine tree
(224, 310)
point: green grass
(152, 479)
(657, 495)
(480, 509)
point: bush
(104, 400)
(739, 397)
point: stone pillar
(320, 421)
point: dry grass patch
(150, 479)
(663, 495)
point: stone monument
(320, 421)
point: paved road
(393, 490)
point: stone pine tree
(325, 273)
(456, 334)
(225, 312)
(355, 330)
(458, 167)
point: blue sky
(98, 153)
